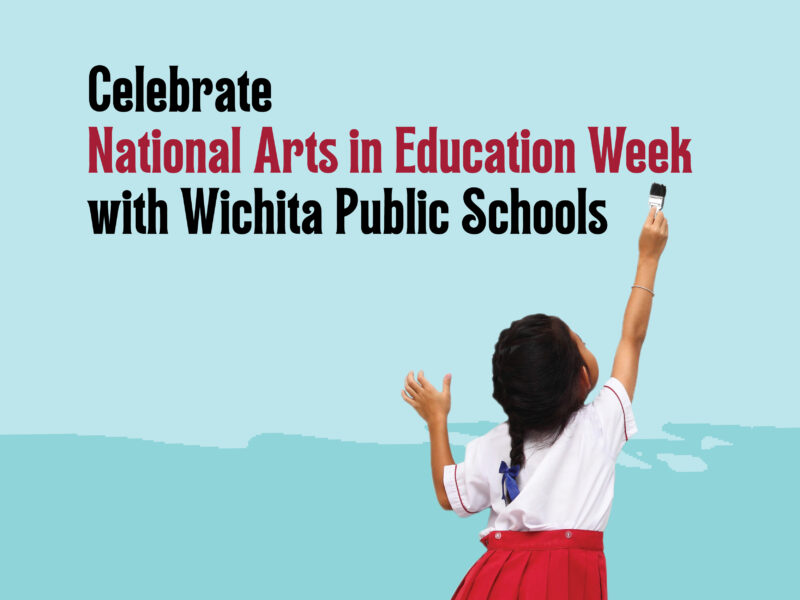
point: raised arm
(433, 406)
(637, 313)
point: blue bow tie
(510, 480)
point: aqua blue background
(259, 377)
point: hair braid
(536, 370)
(517, 434)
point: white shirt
(568, 485)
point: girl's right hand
(431, 404)
(654, 235)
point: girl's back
(566, 485)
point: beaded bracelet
(644, 288)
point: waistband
(544, 540)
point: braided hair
(536, 375)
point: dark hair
(536, 374)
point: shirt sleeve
(615, 413)
(466, 483)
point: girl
(548, 472)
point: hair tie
(510, 487)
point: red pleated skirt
(565, 564)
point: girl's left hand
(430, 403)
